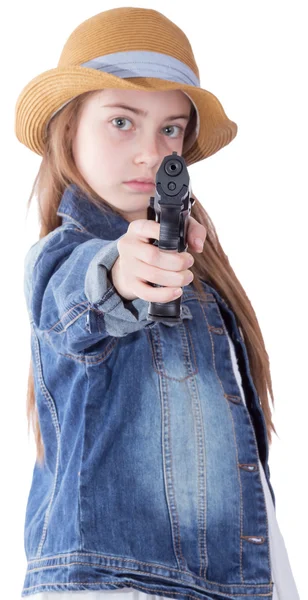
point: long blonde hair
(57, 170)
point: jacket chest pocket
(173, 350)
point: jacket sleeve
(69, 294)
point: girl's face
(114, 145)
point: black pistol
(171, 207)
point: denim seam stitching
(234, 436)
(199, 425)
(59, 322)
(257, 453)
(204, 555)
(128, 560)
(168, 470)
(155, 362)
(147, 589)
(88, 359)
(50, 404)
(252, 585)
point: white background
(253, 57)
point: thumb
(196, 235)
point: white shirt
(284, 584)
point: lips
(140, 186)
(140, 180)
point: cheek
(92, 147)
(77, 151)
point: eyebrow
(144, 113)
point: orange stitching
(233, 429)
(139, 586)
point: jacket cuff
(104, 297)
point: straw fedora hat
(131, 49)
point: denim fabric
(151, 476)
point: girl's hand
(195, 232)
(140, 262)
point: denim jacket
(151, 475)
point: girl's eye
(119, 119)
(174, 127)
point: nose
(148, 150)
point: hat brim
(44, 94)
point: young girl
(152, 438)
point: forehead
(142, 98)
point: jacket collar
(75, 207)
